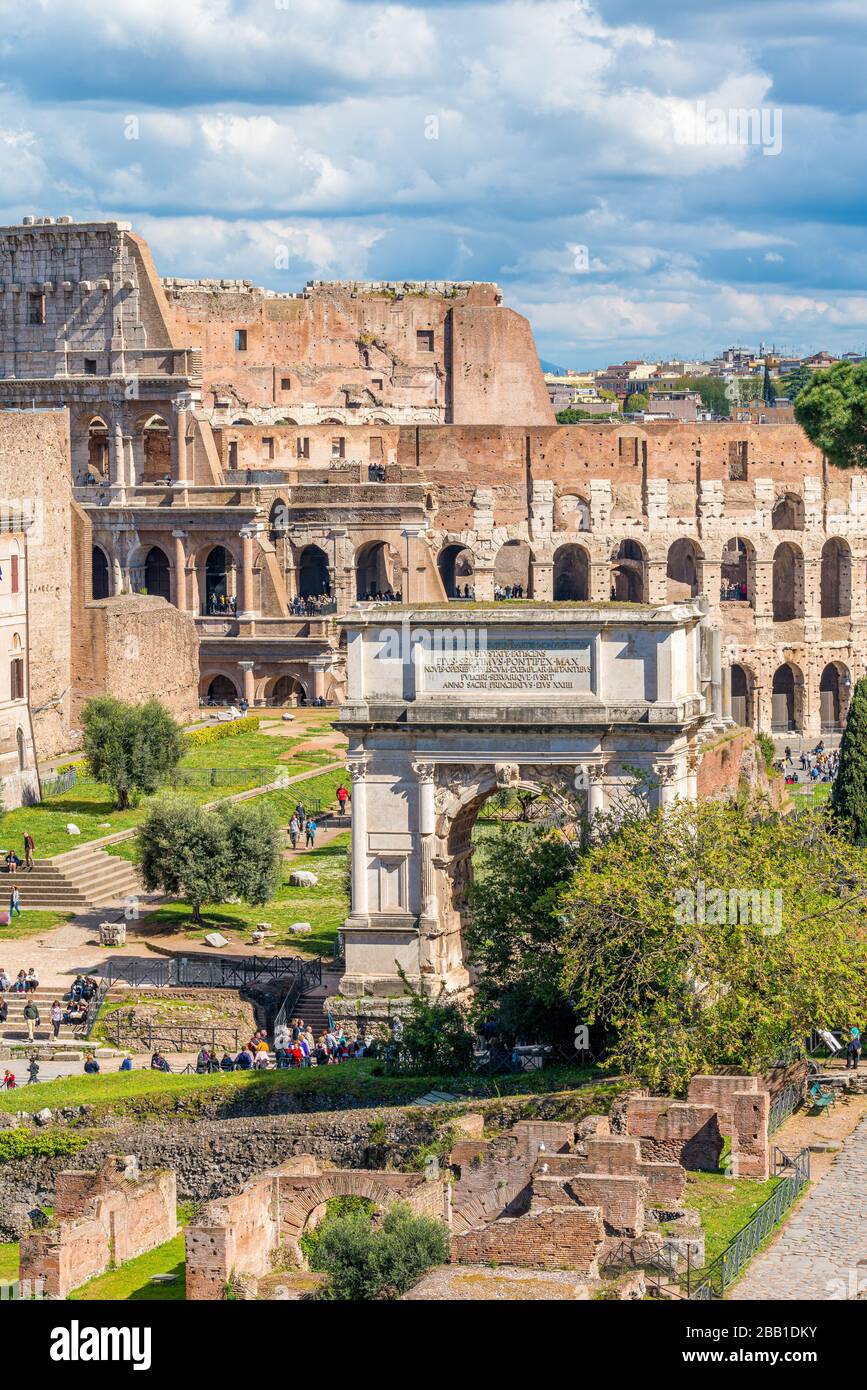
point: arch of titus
(449, 705)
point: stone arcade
(448, 707)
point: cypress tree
(849, 792)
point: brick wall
(567, 1237)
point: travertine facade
(237, 450)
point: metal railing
(785, 1103)
(664, 1277)
(306, 978)
(57, 785)
(93, 1009)
(483, 1061)
(124, 1031)
(198, 972)
(729, 1266)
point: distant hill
(552, 367)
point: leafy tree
(131, 748)
(207, 856)
(832, 410)
(515, 934)
(182, 851)
(794, 382)
(363, 1262)
(712, 390)
(253, 849)
(638, 400)
(573, 415)
(662, 946)
(849, 791)
(434, 1033)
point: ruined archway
(628, 573)
(787, 699)
(788, 513)
(571, 578)
(836, 579)
(834, 691)
(456, 565)
(313, 575)
(737, 572)
(222, 691)
(512, 568)
(741, 696)
(156, 575)
(220, 582)
(100, 574)
(376, 571)
(683, 570)
(286, 690)
(788, 583)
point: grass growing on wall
(131, 1282)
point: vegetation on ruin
(336, 1209)
(130, 748)
(832, 411)
(765, 745)
(203, 855)
(725, 1205)
(49, 1143)
(131, 1282)
(848, 797)
(324, 906)
(365, 1261)
(8, 1261)
(637, 401)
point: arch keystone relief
(565, 704)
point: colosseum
(262, 461)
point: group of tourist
(12, 861)
(378, 596)
(468, 592)
(820, 765)
(311, 605)
(376, 472)
(222, 606)
(295, 1046)
(733, 591)
(304, 824)
(502, 592)
(24, 982)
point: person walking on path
(33, 1071)
(31, 1018)
(29, 847)
(310, 833)
(853, 1049)
(14, 904)
(294, 832)
(56, 1018)
(342, 797)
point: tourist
(14, 904)
(91, 1065)
(4, 1009)
(300, 814)
(202, 1060)
(321, 1054)
(20, 984)
(29, 847)
(294, 832)
(56, 1018)
(262, 1059)
(853, 1049)
(12, 862)
(9, 1082)
(5, 979)
(126, 1064)
(228, 1062)
(32, 980)
(33, 1072)
(342, 797)
(244, 1059)
(309, 833)
(31, 1018)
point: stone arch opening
(456, 565)
(100, 579)
(788, 513)
(571, 577)
(313, 576)
(628, 573)
(788, 583)
(155, 574)
(787, 699)
(287, 690)
(738, 572)
(222, 691)
(683, 570)
(741, 696)
(836, 579)
(375, 571)
(512, 569)
(278, 519)
(152, 446)
(97, 449)
(221, 582)
(834, 691)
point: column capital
(666, 772)
(425, 772)
(247, 665)
(179, 535)
(357, 769)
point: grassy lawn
(725, 1205)
(31, 923)
(145, 1091)
(325, 907)
(811, 796)
(131, 1282)
(9, 1262)
(91, 806)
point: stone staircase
(15, 1027)
(76, 881)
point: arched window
(157, 578)
(456, 567)
(313, 577)
(375, 571)
(512, 568)
(683, 570)
(286, 690)
(222, 691)
(784, 701)
(220, 585)
(741, 698)
(100, 584)
(628, 573)
(788, 583)
(16, 678)
(834, 689)
(571, 578)
(788, 513)
(737, 572)
(836, 582)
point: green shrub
(213, 733)
(336, 1209)
(363, 1262)
(765, 745)
(23, 1143)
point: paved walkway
(821, 1245)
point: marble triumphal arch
(448, 705)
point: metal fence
(225, 972)
(718, 1276)
(483, 1061)
(307, 977)
(123, 1031)
(63, 782)
(785, 1103)
(222, 776)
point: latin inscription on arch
(517, 664)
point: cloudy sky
(586, 156)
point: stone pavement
(821, 1245)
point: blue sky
(487, 140)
